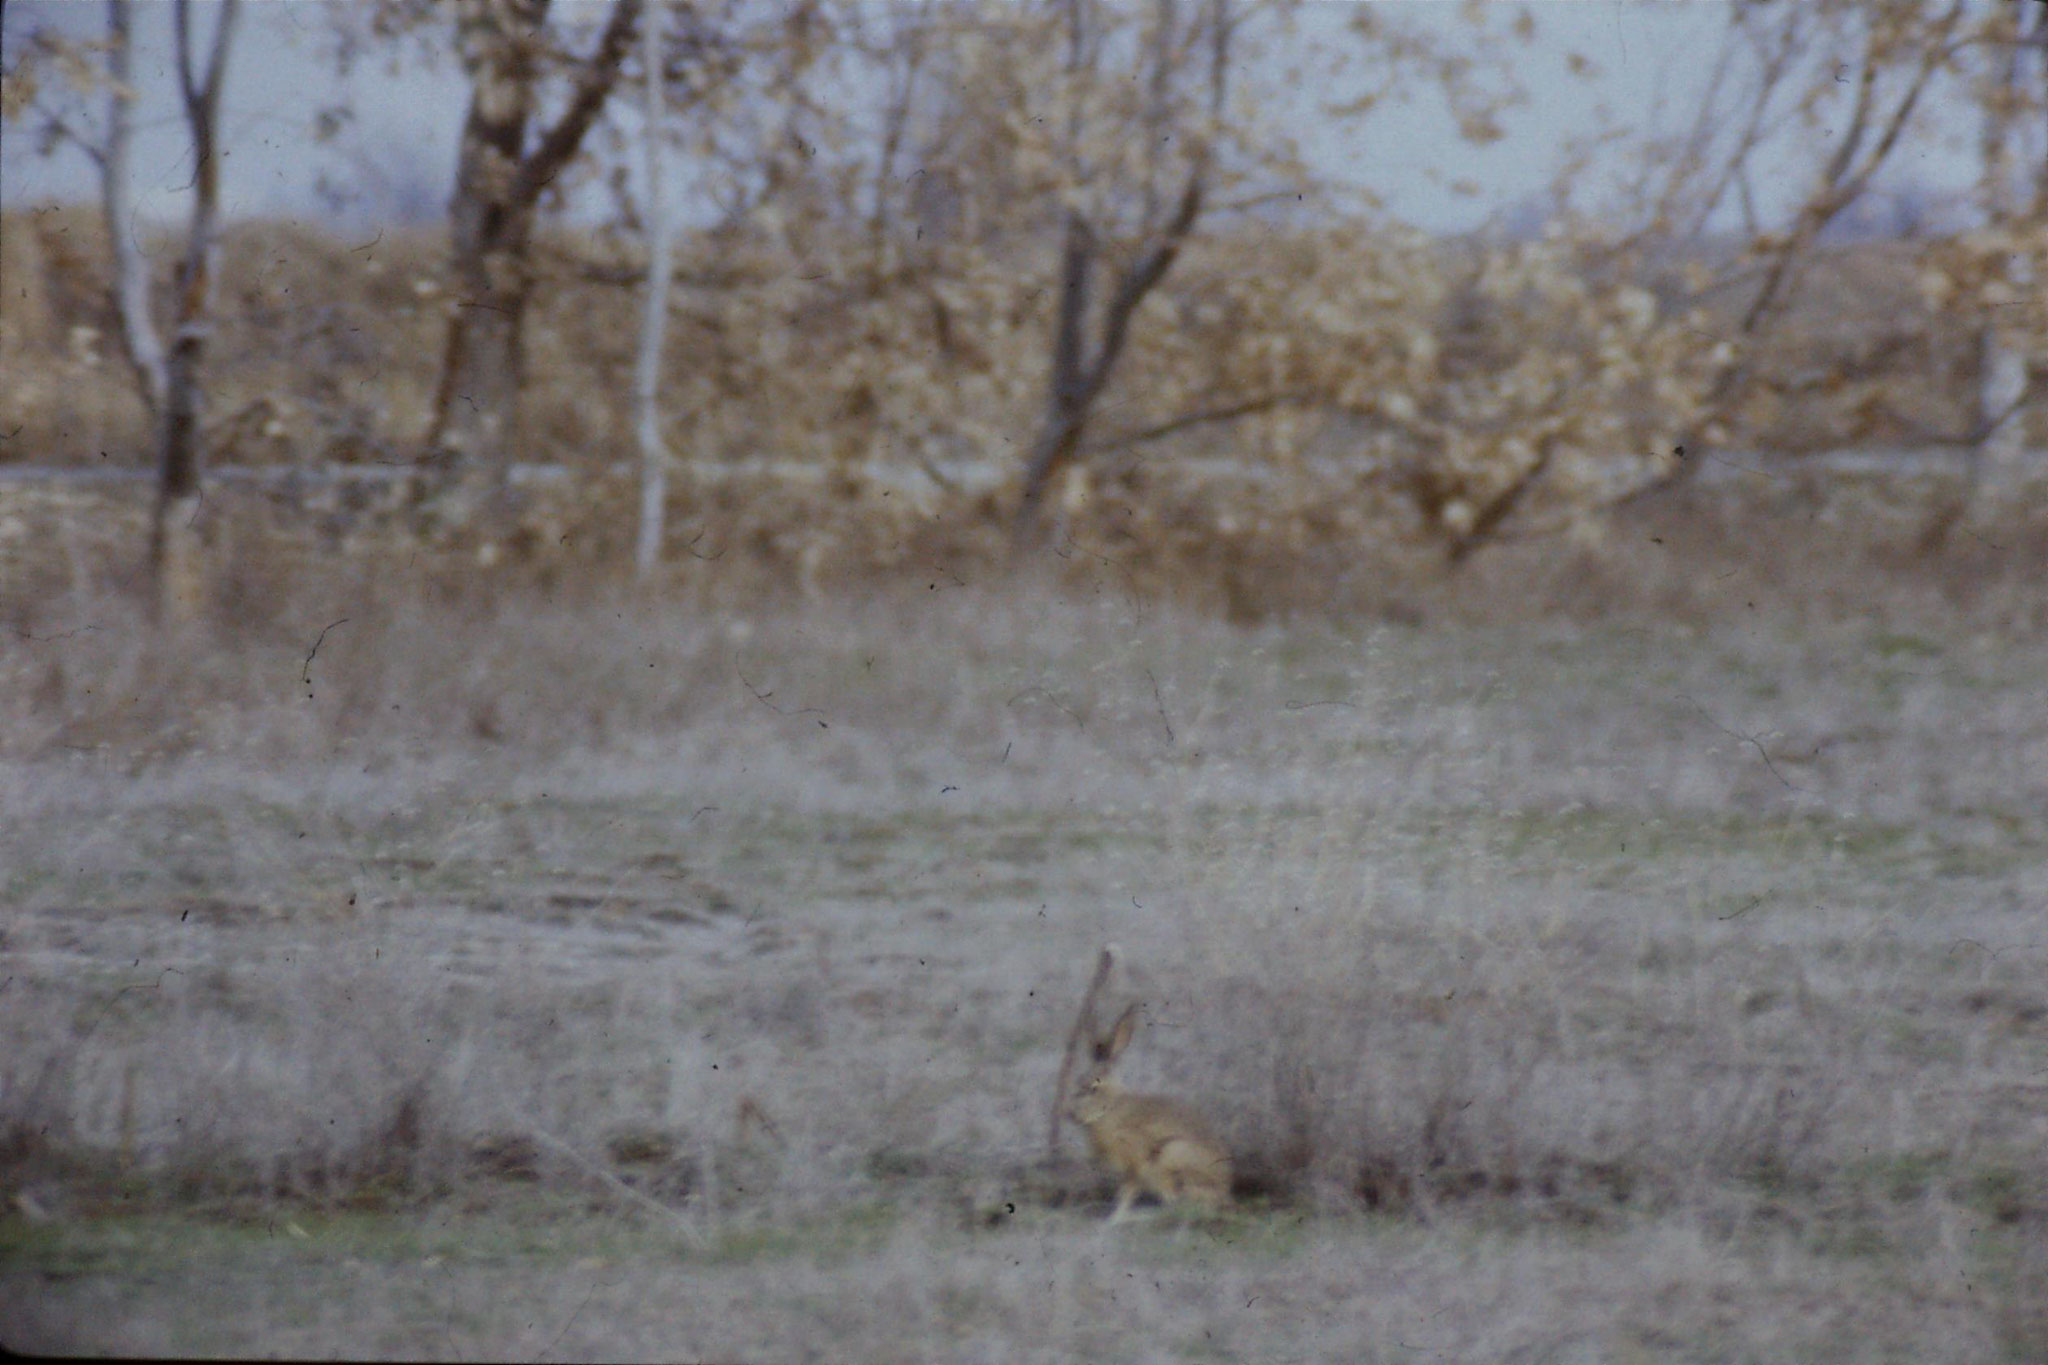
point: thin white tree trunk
(2002, 388)
(131, 269)
(2005, 145)
(653, 324)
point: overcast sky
(395, 159)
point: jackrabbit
(1149, 1142)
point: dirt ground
(569, 980)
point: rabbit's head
(1098, 1090)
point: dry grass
(919, 1289)
(1807, 544)
(658, 976)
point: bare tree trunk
(2002, 386)
(908, 44)
(175, 550)
(489, 233)
(1067, 396)
(498, 185)
(145, 349)
(647, 382)
(1079, 372)
(1998, 434)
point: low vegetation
(719, 964)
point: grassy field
(586, 976)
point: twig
(1160, 702)
(1047, 694)
(1750, 740)
(763, 697)
(620, 1187)
(306, 673)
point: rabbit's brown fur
(1149, 1142)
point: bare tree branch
(593, 87)
(1230, 412)
(1078, 377)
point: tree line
(933, 227)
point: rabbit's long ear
(1083, 1032)
(1119, 1038)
